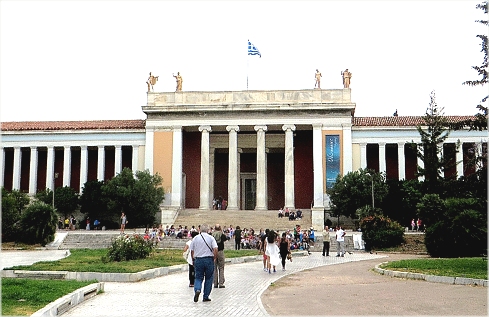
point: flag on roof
(252, 50)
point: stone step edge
(431, 278)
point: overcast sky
(89, 60)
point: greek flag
(252, 50)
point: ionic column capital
(205, 128)
(290, 127)
(230, 128)
(260, 127)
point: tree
(65, 200)
(13, 205)
(433, 134)
(93, 203)
(139, 196)
(480, 120)
(38, 224)
(352, 193)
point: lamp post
(54, 185)
(373, 197)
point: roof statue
(179, 81)
(318, 79)
(346, 78)
(151, 82)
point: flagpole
(247, 66)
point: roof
(392, 121)
(72, 125)
(405, 121)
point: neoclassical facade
(258, 150)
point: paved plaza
(311, 292)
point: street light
(373, 200)
(54, 185)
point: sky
(89, 60)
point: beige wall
(162, 157)
(355, 152)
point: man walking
(219, 265)
(326, 239)
(340, 241)
(204, 253)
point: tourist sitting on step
(298, 214)
(292, 215)
(286, 211)
(280, 213)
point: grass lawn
(23, 297)
(456, 267)
(90, 260)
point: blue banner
(332, 159)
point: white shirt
(339, 235)
(200, 247)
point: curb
(65, 303)
(431, 278)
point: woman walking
(272, 251)
(284, 249)
(123, 222)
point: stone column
(261, 168)
(402, 160)
(16, 170)
(118, 160)
(204, 168)
(382, 164)
(176, 170)
(135, 158)
(67, 166)
(240, 150)
(233, 179)
(212, 175)
(101, 163)
(83, 166)
(50, 168)
(459, 157)
(347, 149)
(420, 164)
(33, 171)
(149, 150)
(289, 165)
(317, 211)
(478, 152)
(2, 162)
(363, 155)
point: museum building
(259, 150)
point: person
(413, 224)
(237, 238)
(151, 82)
(179, 81)
(346, 78)
(312, 236)
(220, 237)
(263, 237)
(340, 241)
(318, 79)
(280, 213)
(204, 253)
(67, 223)
(326, 239)
(418, 225)
(272, 252)
(284, 248)
(96, 224)
(60, 223)
(123, 222)
(191, 269)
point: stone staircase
(94, 239)
(243, 218)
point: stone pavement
(170, 295)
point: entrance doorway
(248, 192)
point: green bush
(460, 230)
(37, 224)
(381, 232)
(128, 247)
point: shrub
(37, 224)
(460, 230)
(381, 232)
(128, 247)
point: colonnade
(32, 170)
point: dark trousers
(326, 247)
(191, 274)
(284, 257)
(237, 245)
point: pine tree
(433, 133)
